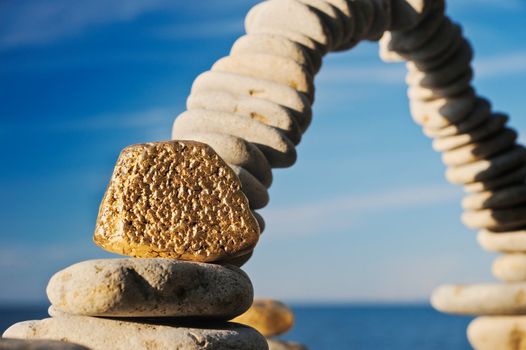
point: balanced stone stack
(483, 156)
(172, 206)
(270, 318)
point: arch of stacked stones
(189, 203)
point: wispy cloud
(38, 22)
(210, 29)
(155, 122)
(44, 21)
(135, 120)
(503, 64)
(340, 212)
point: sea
(353, 327)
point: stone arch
(253, 106)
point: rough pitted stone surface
(276, 344)
(20, 344)
(482, 299)
(103, 334)
(150, 288)
(176, 200)
(269, 317)
(234, 150)
(498, 333)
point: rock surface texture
(150, 288)
(101, 333)
(176, 200)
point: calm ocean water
(346, 327)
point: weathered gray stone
(277, 148)
(267, 112)
(20, 344)
(482, 299)
(103, 334)
(330, 17)
(289, 15)
(275, 45)
(150, 288)
(246, 86)
(314, 49)
(269, 67)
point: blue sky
(364, 215)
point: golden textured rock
(268, 317)
(175, 199)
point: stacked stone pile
(270, 318)
(172, 206)
(481, 154)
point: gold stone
(268, 317)
(175, 199)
